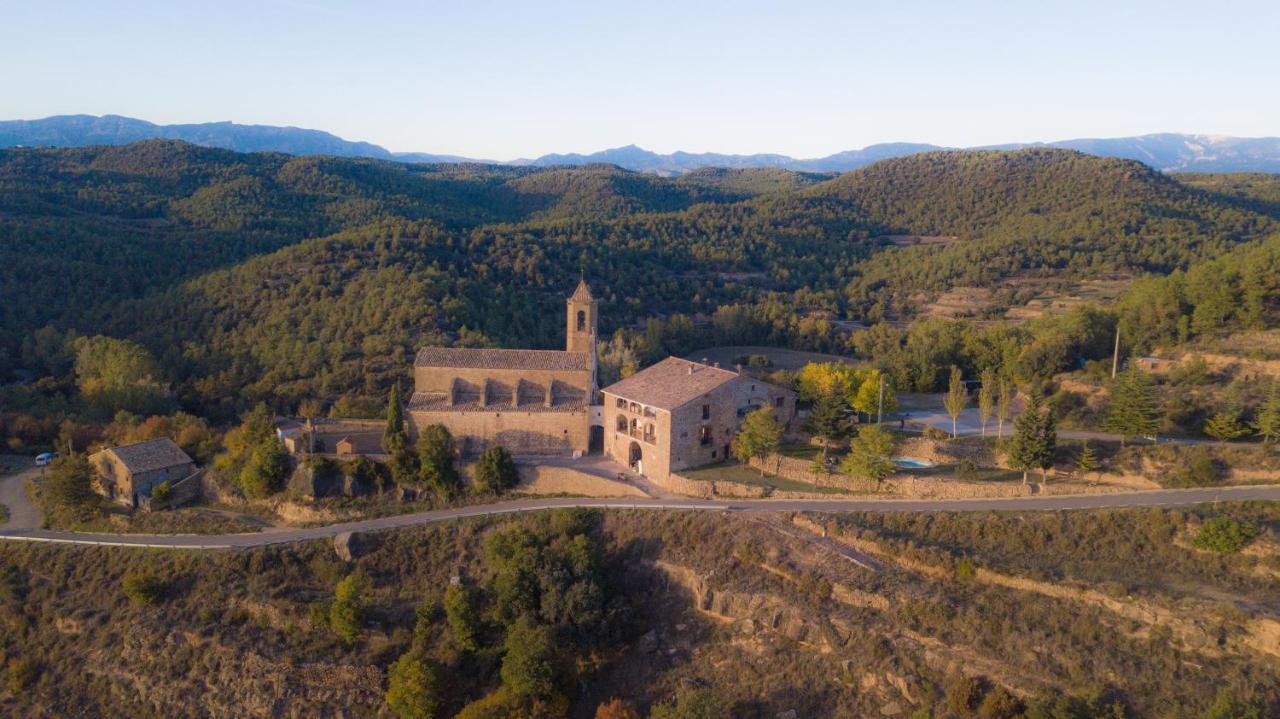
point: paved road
(282, 535)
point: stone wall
(524, 433)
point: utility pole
(1115, 356)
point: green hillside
(270, 277)
(1040, 212)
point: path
(22, 513)
(282, 535)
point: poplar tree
(957, 398)
(987, 398)
(1004, 404)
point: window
(704, 435)
(622, 423)
(713, 454)
(622, 403)
(779, 401)
(706, 411)
(582, 320)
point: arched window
(582, 320)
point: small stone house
(345, 447)
(130, 471)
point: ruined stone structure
(129, 472)
(529, 401)
(679, 414)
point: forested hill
(1047, 212)
(271, 276)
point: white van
(43, 459)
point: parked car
(44, 458)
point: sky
(502, 80)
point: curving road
(281, 535)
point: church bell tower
(580, 331)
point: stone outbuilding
(679, 414)
(131, 471)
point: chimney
(690, 369)
(716, 365)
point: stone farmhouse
(128, 473)
(679, 414)
(529, 401)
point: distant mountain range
(1168, 152)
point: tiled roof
(671, 383)
(501, 359)
(426, 402)
(150, 455)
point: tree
(870, 455)
(1004, 404)
(69, 489)
(987, 398)
(264, 473)
(1046, 443)
(1224, 535)
(1087, 461)
(161, 492)
(1134, 410)
(1267, 421)
(347, 613)
(496, 471)
(760, 436)
(527, 666)
(874, 395)
(1026, 450)
(435, 461)
(957, 397)
(115, 374)
(1226, 425)
(395, 420)
(464, 620)
(414, 686)
(829, 420)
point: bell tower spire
(580, 329)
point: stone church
(529, 401)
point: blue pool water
(908, 463)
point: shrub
(464, 620)
(162, 492)
(143, 588)
(965, 568)
(1199, 470)
(1224, 535)
(698, 703)
(934, 433)
(414, 687)
(1000, 704)
(496, 471)
(347, 613)
(69, 491)
(964, 694)
(527, 669)
(616, 709)
(21, 673)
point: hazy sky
(500, 80)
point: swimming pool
(909, 463)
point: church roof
(150, 455)
(464, 358)
(671, 383)
(582, 293)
